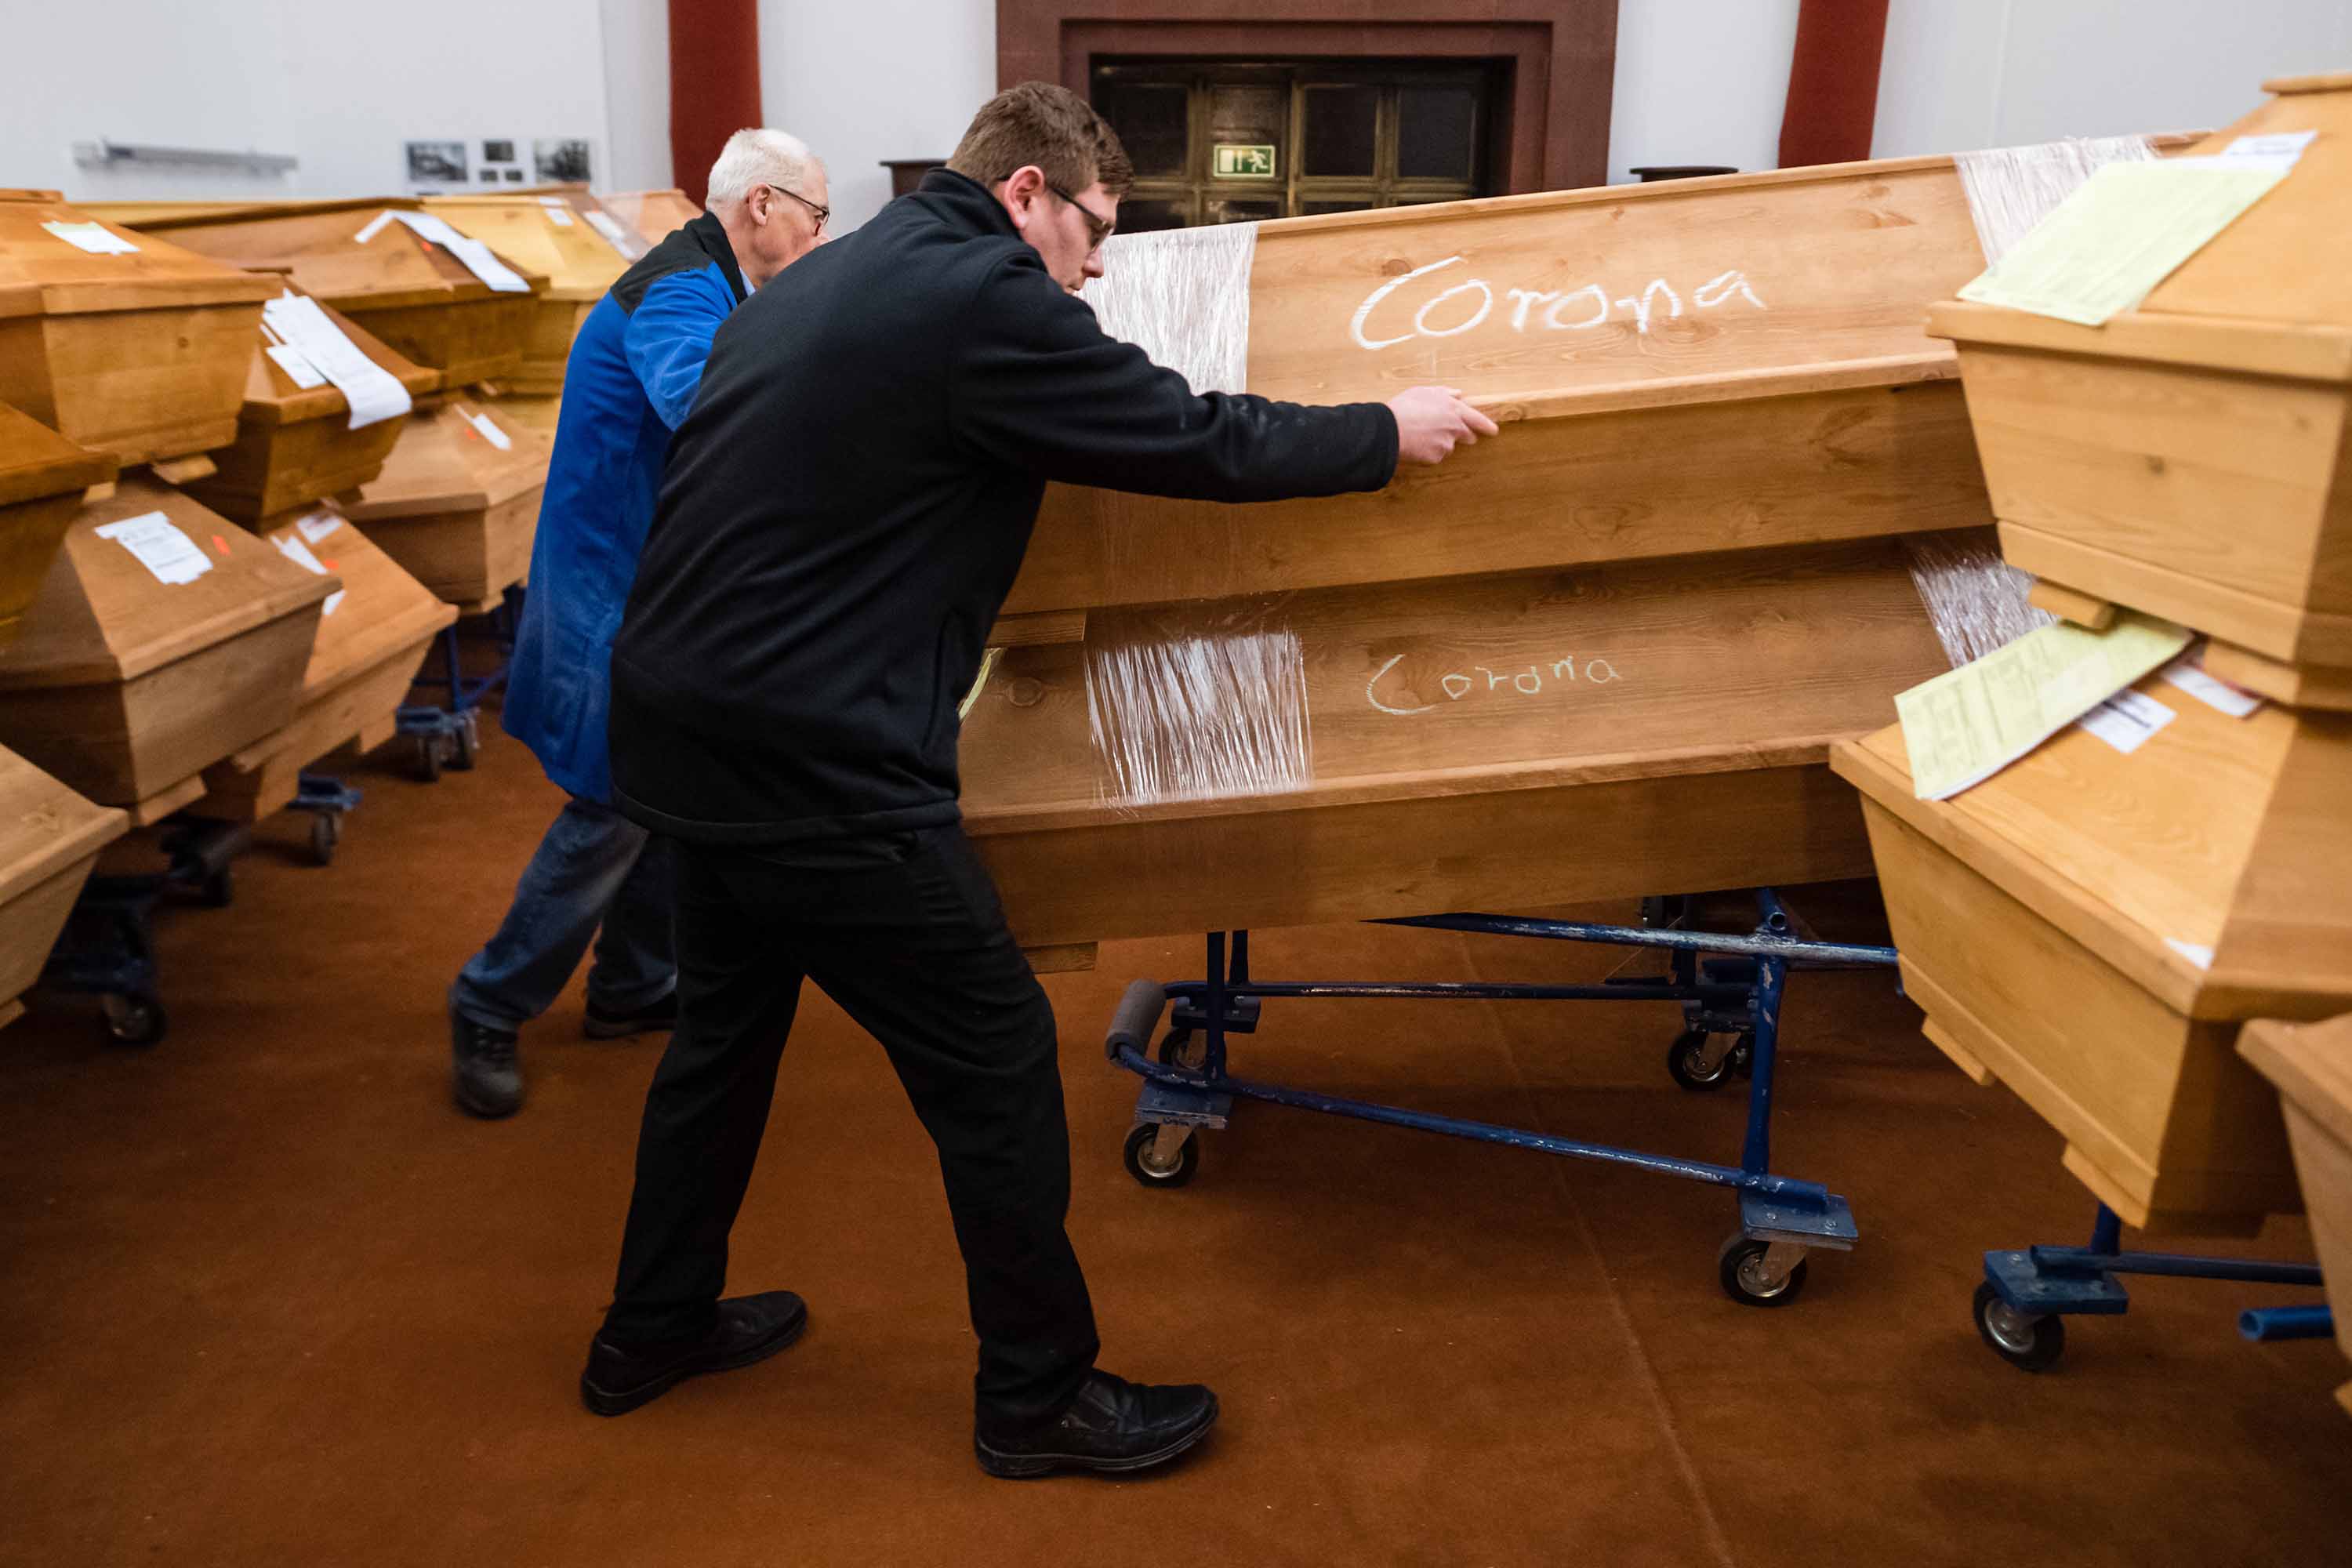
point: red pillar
(1832, 82)
(714, 83)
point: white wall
(1961, 74)
(1700, 81)
(862, 80)
(339, 83)
(635, 154)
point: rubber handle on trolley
(1137, 1021)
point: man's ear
(1021, 192)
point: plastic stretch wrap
(1975, 600)
(1182, 295)
(2010, 189)
(1198, 702)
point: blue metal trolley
(1730, 989)
(2026, 1298)
(452, 734)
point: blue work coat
(635, 369)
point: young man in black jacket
(845, 511)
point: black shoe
(1115, 1425)
(651, 1019)
(620, 1377)
(485, 1074)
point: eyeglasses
(1098, 228)
(822, 212)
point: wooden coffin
(2091, 927)
(42, 477)
(2311, 1066)
(140, 354)
(413, 295)
(1721, 363)
(294, 444)
(455, 510)
(50, 839)
(127, 686)
(373, 635)
(653, 214)
(2193, 458)
(550, 234)
(1503, 741)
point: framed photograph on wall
(436, 165)
(561, 160)
(500, 162)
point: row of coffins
(2103, 929)
(309, 491)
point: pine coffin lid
(106, 614)
(44, 827)
(42, 273)
(272, 398)
(36, 461)
(446, 462)
(551, 236)
(382, 609)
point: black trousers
(905, 933)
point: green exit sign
(1244, 161)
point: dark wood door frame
(1563, 55)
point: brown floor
(274, 1302)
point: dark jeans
(595, 874)
(913, 945)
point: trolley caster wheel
(1184, 1051)
(326, 832)
(133, 1020)
(1751, 1276)
(216, 892)
(1686, 1061)
(1141, 1160)
(428, 758)
(467, 744)
(2028, 1341)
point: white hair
(756, 157)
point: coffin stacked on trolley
(118, 341)
(368, 261)
(164, 638)
(2092, 926)
(374, 633)
(553, 237)
(457, 502)
(2311, 1063)
(50, 837)
(1604, 654)
(295, 442)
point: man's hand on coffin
(1431, 420)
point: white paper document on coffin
(477, 257)
(374, 393)
(171, 557)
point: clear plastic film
(1198, 702)
(2010, 189)
(1975, 600)
(1182, 295)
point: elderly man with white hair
(635, 369)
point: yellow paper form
(2127, 228)
(1963, 727)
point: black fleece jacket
(847, 504)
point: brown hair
(1052, 127)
